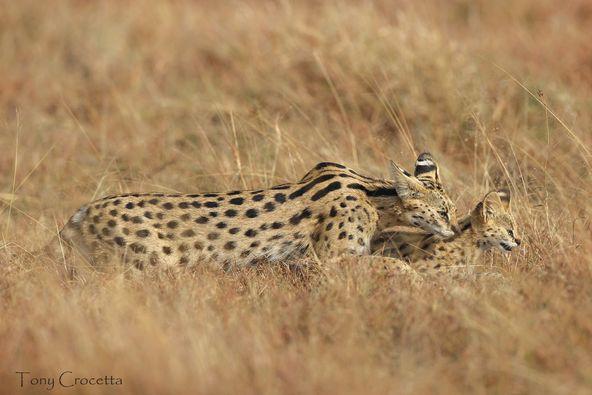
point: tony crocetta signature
(65, 379)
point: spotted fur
(332, 211)
(489, 226)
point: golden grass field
(98, 98)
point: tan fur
(331, 212)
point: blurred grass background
(105, 97)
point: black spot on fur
(188, 233)
(137, 248)
(238, 201)
(167, 206)
(184, 205)
(143, 233)
(279, 197)
(153, 201)
(258, 198)
(167, 250)
(148, 215)
(277, 225)
(198, 245)
(295, 220)
(252, 213)
(251, 233)
(111, 223)
(255, 244)
(185, 217)
(333, 212)
(196, 204)
(233, 231)
(231, 213)
(139, 264)
(342, 235)
(130, 205)
(269, 206)
(137, 220)
(172, 224)
(231, 245)
(211, 204)
(221, 225)
(113, 213)
(119, 241)
(213, 236)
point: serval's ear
(426, 168)
(492, 203)
(405, 184)
(504, 195)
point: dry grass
(104, 97)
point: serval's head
(492, 222)
(425, 202)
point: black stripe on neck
(310, 185)
(377, 192)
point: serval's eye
(444, 214)
(511, 233)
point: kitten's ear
(405, 184)
(493, 202)
(479, 213)
(426, 168)
(504, 195)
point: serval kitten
(331, 212)
(489, 226)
